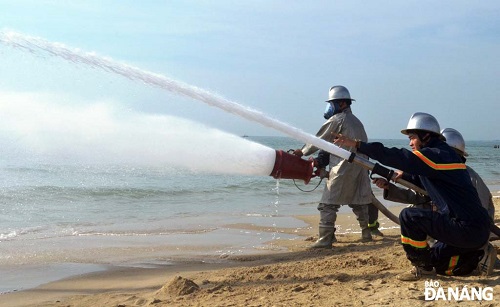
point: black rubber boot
(374, 229)
(326, 238)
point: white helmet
(455, 140)
(338, 92)
(423, 122)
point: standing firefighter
(322, 162)
(460, 223)
(347, 184)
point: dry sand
(351, 274)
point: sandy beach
(351, 274)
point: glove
(323, 159)
(321, 173)
(381, 183)
(298, 152)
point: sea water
(65, 217)
(63, 198)
(57, 212)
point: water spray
(37, 45)
(285, 164)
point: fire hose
(289, 166)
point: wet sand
(286, 273)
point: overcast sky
(279, 57)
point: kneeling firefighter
(460, 223)
(481, 260)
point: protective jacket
(408, 196)
(483, 192)
(348, 183)
(441, 172)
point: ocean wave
(8, 235)
(141, 233)
(36, 192)
(58, 231)
(11, 234)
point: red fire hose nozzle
(289, 166)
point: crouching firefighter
(480, 261)
(460, 223)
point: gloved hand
(298, 152)
(381, 183)
(321, 173)
(397, 174)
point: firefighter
(460, 223)
(455, 140)
(321, 162)
(408, 196)
(347, 184)
(481, 260)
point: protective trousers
(453, 261)
(328, 217)
(372, 216)
(455, 237)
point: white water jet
(40, 46)
(42, 125)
